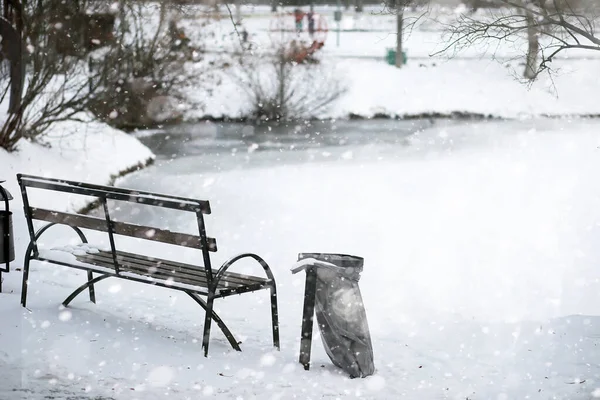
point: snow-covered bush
(130, 79)
(148, 67)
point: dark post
(11, 28)
(90, 72)
(7, 247)
(308, 314)
(358, 6)
(205, 247)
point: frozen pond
(505, 194)
(225, 146)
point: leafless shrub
(282, 90)
(148, 67)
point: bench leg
(234, 343)
(83, 287)
(207, 320)
(275, 317)
(25, 283)
(90, 277)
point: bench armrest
(231, 261)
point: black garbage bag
(332, 280)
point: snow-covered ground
(91, 152)
(480, 279)
(481, 87)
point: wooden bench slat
(163, 269)
(229, 279)
(123, 228)
(229, 276)
(150, 268)
(113, 193)
(140, 270)
(159, 274)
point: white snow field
(481, 276)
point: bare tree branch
(550, 27)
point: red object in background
(298, 15)
(304, 52)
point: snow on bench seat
(148, 269)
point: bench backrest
(104, 193)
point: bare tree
(55, 87)
(533, 45)
(550, 27)
(399, 37)
(69, 70)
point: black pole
(11, 28)
(6, 233)
(308, 313)
(358, 6)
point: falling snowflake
(160, 376)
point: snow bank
(91, 152)
(432, 87)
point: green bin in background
(391, 56)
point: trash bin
(332, 291)
(390, 56)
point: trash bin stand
(332, 296)
(308, 314)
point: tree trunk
(399, 25)
(238, 11)
(12, 51)
(282, 81)
(533, 40)
(358, 6)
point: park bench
(194, 280)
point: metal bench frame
(215, 284)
